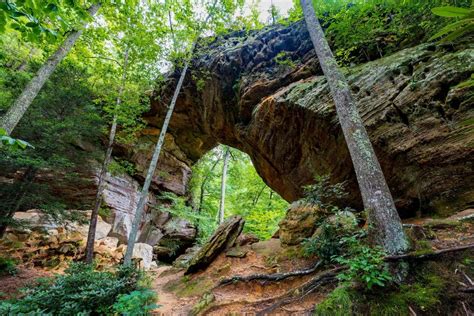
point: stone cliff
(264, 93)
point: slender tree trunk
(220, 216)
(203, 185)
(105, 165)
(154, 160)
(384, 221)
(151, 170)
(255, 200)
(29, 93)
(27, 179)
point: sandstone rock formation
(299, 223)
(223, 238)
(419, 122)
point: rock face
(299, 223)
(223, 238)
(420, 123)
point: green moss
(424, 294)
(185, 287)
(203, 303)
(338, 303)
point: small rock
(111, 242)
(236, 252)
(246, 239)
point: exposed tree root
(301, 291)
(430, 255)
(323, 278)
(270, 277)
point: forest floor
(200, 293)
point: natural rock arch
(283, 116)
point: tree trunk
(29, 93)
(154, 160)
(220, 214)
(203, 185)
(105, 165)
(384, 221)
(27, 179)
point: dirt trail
(170, 303)
(179, 294)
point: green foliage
(338, 303)
(323, 193)
(179, 207)
(82, 290)
(463, 26)
(7, 266)
(365, 265)
(283, 59)
(121, 167)
(39, 20)
(423, 292)
(246, 193)
(331, 241)
(363, 30)
(136, 303)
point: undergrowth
(83, 291)
(424, 292)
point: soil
(10, 285)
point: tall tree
(384, 222)
(156, 154)
(105, 165)
(29, 93)
(220, 214)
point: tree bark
(29, 93)
(385, 226)
(220, 216)
(105, 165)
(203, 185)
(154, 160)
(27, 179)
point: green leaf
(450, 11)
(451, 28)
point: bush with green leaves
(81, 291)
(136, 303)
(7, 266)
(323, 193)
(365, 264)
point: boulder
(223, 238)
(246, 239)
(344, 220)
(299, 223)
(183, 260)
(145, 253)
(150, 234)
(110, 242)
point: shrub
(7, 266)
(365, 264)
(81, 290)
(138, 302)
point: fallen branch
(468, 290)
(270, 277)
(428, 255)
